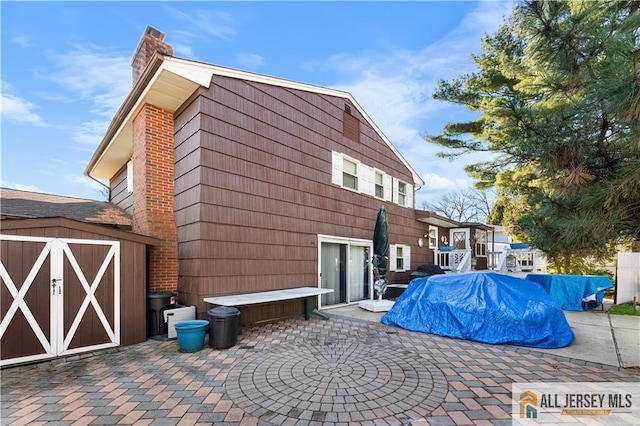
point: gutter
(124, 110)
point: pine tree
(557, 96)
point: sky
(66, 68)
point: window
(379, 185)
(459, 239)
(349, 174)
(481, 243)
(130, 176)
(400, 258)
(402, 193)
(433, 237)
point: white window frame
(130, 176)
(433, 237)
(481, 243)
(408, 195)
(376, 185)
(355, 176)
(393, 257)
(366, 179)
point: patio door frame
(349, 242)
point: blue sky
(65, 70)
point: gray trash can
(224, 327)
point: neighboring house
(255, 183)
(499, 240)
(73, 277)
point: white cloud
(202, 23)
(19, 186)
(435, 181)
(90, 132)
(16, 109)
(249, 60)
(85, 182)
(181, 49)
(22, 40)
(395, 88)
(91, 75)
(59, 161)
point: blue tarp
(485, 307)
(568, 291)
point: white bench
(305, 293)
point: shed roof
(25, 204)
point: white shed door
(58, 297)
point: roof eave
(436, 219)
(149, 88)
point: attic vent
(350, 125)
(347, 108)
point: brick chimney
(150, 43)
(153, 175)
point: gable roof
(24, 204)
(168, 82)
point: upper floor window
(349, 174)
(402, 193)
(354, 175)
(379, 185)
(433, 237)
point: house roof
(16, 204)
(168, 82)
(477, 225)
(433, 218)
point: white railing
(454, 260)
(520, 260)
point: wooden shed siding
(260, 170)
(132, 276)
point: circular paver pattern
(343, 380)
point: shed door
(58, 297)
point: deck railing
(453, 260)
(518, 261)
(508, 261)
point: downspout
(102, 184)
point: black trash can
(224, 327)
(156, 302)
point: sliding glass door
(345, 268)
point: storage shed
(68, 285)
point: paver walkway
(313, 372)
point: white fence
(628, 277)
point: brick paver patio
(340, 371)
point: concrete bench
(305, 293)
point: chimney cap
(154, 32)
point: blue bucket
(191, 334)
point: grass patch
(623, 309)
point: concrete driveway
(599, 337)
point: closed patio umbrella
(380, 252)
